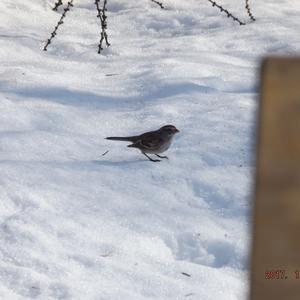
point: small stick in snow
(112, 74)
(57, 4)
(105, 152)
(229, 15)
(102, 16)
(106, 254)
(190, 294)
(186, 274)
(53, 34)
(158, 3)
(249, 11)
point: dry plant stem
(158, 3)
(105, 152)
(186, 274)
(102, 16)
(229, 15)
(249, 11)
(57, 4)
(60, 22)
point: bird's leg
(162, 156)
(154, 160)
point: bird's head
(169, 130)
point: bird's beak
(176, 130)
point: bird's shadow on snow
(117, 163)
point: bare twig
(186, 274)
(107, 254)
(102, 16)
(57, 4)
(189, 294)
(229, 15)
(105, 152)
(60, 22)
(249, 11)
(159, 4)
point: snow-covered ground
(78, 225)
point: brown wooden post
(275, 265)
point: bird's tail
(126, 138)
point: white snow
(78, 225)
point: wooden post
(275, 272)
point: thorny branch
(249, 11)
(159, 4)
(57, 4)
(102, 16)
(53, 33)
(229, 15)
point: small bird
(152, 142)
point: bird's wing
(148, 141)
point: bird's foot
(166, 157)
(155, 160)
(151, 159)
